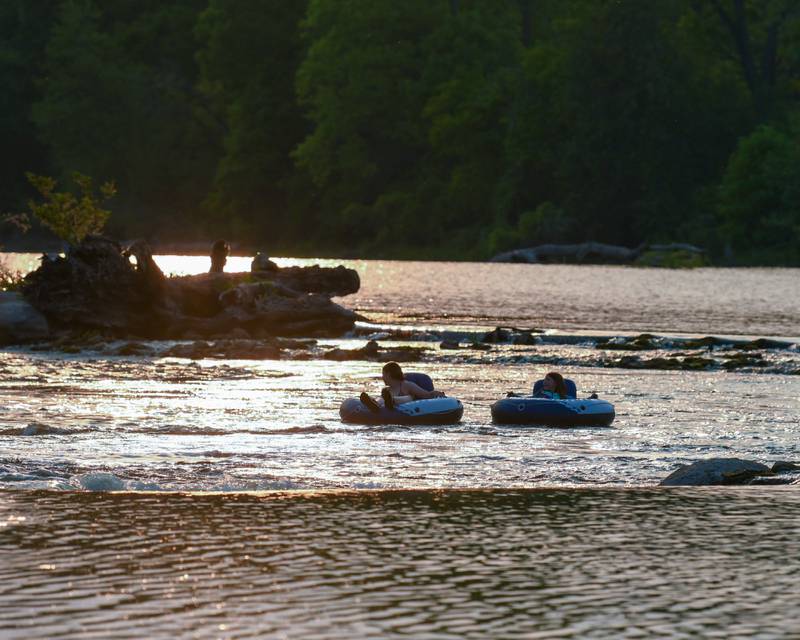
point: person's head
(554, 381)
(220, 248)
(392, 373)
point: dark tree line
(449, 129)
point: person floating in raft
(553, 387)
(398, 390)
(220, 251)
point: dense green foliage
(422, 128)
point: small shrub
(71, 217)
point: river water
(571, 541)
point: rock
(715, 471)
(133, 349)
(238, 333)
(689, 363)
(707, 342)
(225, 349)
(642, 342)
(511, 335)
(449, 344)
(741, 360)
(785, 467)
(39, 429)
(261, 262)
(97, 287)
(765, 343)
(336, 281)
(20, 321)
(288, 343)
(374, 353)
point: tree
(24, 30)
(249, 54)
(759, 198)
(759, 38)
(360, 84)
(118, 99)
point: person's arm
(418, 392)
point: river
(490, 528)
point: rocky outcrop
(20, 321)
(100, 287)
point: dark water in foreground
(594, 563)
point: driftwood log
(588, 252)
(97, 287)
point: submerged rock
(642, 342)
(225, 349)
(741, 360)
(687, 363)
(708, 342)
(375, 353)
(511, 335)
(132, 349)
(764, 343)
(716, 471)
(39, 429)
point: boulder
(715, 471)
(511, 335)
(783, 466)
(96, 286)
(20, 321)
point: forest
(419, 129)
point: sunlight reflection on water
(756, 301)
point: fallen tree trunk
(587, 252)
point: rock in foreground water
(715, 471)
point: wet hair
(561, 387)
(393, 370)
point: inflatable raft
(569, 412)
(555, 413)
(432, 411)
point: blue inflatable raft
(432, 411)
(570, 412)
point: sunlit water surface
(562, 297)
(576, 557)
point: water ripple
(451, 564)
